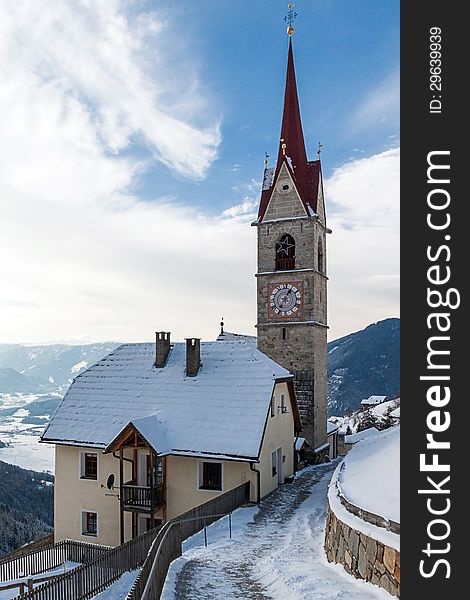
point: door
(142, 470)
(280, 477)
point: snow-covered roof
(372, 400)
(220, 411)
(381, 410)
(268, 177)
(361, 435)
(395, 413)
(331, 427)
(227, 335)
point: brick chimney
(162, 348)
(193, 356)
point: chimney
(193, 356)
(162, 348)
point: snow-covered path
(276, 552)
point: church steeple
(291, 279)
(292, 142)
(292, 153)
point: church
(156, 429)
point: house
(353, 438)
(373, 400)
(153, 430)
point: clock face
(285, 300)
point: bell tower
(292, 277)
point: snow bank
(371, 475)
(120, 588)
(370, 479)
(361, 435)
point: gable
(284, 204)
(321, 201)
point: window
(283, 404)
(283, 333)
(285, 253)
(273, 406)
(321, 266)
(210, 476)
(89, 523)
(274, 463)
(88, 465)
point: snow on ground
(371, 474)
(361, 435)
(120, 588)
(83, 364)
(7, 594)
(380, 410)
(25, 451)
(276, 552)
(19, 400)
(22, 445)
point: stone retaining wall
(361, 555)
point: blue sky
(131, 158)
(345, 51)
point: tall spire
(292, 153)
(291, 142)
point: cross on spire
(290, 18)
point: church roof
(305, 173)
(221, 411)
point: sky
(133, 135)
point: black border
(422, 132)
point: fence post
(205, 533)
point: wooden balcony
(285, 264)
(141, 498)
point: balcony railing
(285, 264)
(142, 498)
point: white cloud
(98, 65)
(85, 259)
(364, 254)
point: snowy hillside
(33, 380)
(363, 363)
(41, 369)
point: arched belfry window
(285, 253)
(321, 259)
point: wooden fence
(49, 557)
(167, 545)
(153, 551)
(90, 579)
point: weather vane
(290, 18)
(283, 146)
(320, 146)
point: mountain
(363, 364)
(26, 506)
(43, 369)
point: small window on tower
(321, 267)
(283, 333)
(285, 253)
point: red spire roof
(305, 173)
(291, 130)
